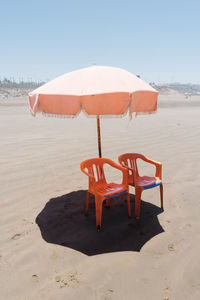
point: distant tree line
(7, 83)
(193, 89)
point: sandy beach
(49, 250)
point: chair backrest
(130, 160)
(95, 168)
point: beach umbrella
(96, 90)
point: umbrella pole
(99, 135)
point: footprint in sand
(54, 255)
(57, 278)
(109, 294)
(70, 280)
(35, 278)
(166, 293)
(16, 236)
(27, 221)
(171, 247)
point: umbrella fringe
(61, 116)
(144, 113)
(109, 116)
(81, 109)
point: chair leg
(128, 204)
(161, 195)
(122, 200)
(98, 206)
(138, 193)
(87, 203)
(108, 203)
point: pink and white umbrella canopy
(97, 90)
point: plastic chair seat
(109, 190)
(148, 182)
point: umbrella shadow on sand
(62, 222)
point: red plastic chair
(99, 187)
(129, 161)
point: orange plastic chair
(129, 161)
(99, 187)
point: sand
(49, 250)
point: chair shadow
(62, 222)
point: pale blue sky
(160, 40)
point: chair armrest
(133, 173)
(122, 169)
(157, 164)
(90, 177)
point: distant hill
(6, 83)
(188, 89)
(10, 88)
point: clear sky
(159, 40)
